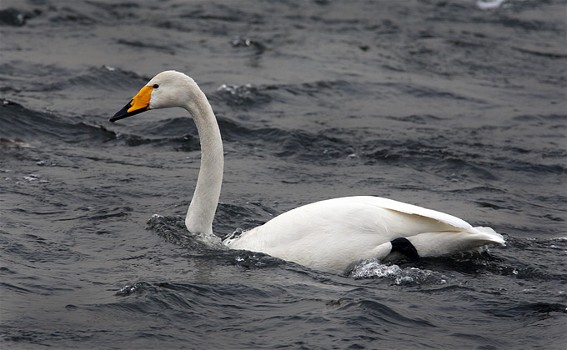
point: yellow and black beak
(140, 103)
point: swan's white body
(332, 234)
(328, 235)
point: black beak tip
(116, 117)
(123, 113)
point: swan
(329, 235)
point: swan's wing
(371, 220)
(467, 234)
(415, 210)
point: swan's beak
(140, 103)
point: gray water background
(436, 103)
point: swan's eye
(156, 86)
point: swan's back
(330, 235)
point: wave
(34, 127)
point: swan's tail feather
(432, 244)
(488, 234)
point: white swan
(329, 235)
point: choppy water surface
(437, 103)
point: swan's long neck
(202, 209)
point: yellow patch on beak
(142, 99)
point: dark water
(437, 103)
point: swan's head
(167, 89)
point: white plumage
(329, 235)
(332, 234)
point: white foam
(405, 276)
(489, 4)
(372, 268)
